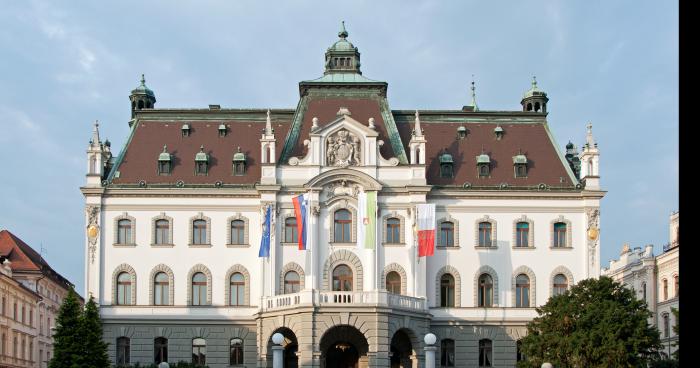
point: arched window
(124, 231)
(485, 290)
(447, 353)
(393, 230)
(236, 352)
(559, 235)
(529, 107)
(561, 284)
(675, 286)
(393, 282)
(485, 353)
(342, 222)
(342, 278)
(665, 286)
(160, 350)
(447, 231)
(199, 351)
(199, 232)
(290, 230)
(522, 231)
(447, 291)
(123, 351)
(667, 331)
(237, 232)
(237, 292)
(124, 289)
(161, 287)
(162, 232)
(199, 289)
(484, 234)
(483, 170)
(291, 282)
(537, 106)
(522, 291)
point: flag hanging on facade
(301, 206)
(367, 220)
(425, 223)
(266, 233)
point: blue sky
(65, 64)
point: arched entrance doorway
(401, 350)
(344, 347)
(291, 347)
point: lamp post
(430, 349)
(277, 350)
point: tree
(598, 323)
(94, 352)
(67, 342)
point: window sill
(237, 245)
(478, 247)
(393, 245)
(334, 244)
(124, 245)
(164, 245)
(199, 245)
(523, 248)
(446, 247)
(561, 248)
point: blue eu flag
(265, 241)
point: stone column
(277, 351)
(430, 350)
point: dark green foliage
(676, 331)
(94, 348)
(181, 364)
(67, 342)
(598, 323)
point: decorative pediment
(343, 148)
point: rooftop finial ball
(430, 339)
(546, 365)
(277, 339)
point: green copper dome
(201, 155)
(142, 89)
(519, 159)
(164, 156)
(239, 156)
(534, 91)
(483, 159)
(446, 158)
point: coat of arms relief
(343, 149)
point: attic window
(483, 165)
(520, 165)
(461, 132)
(201, 162)
(164, 162)
(222, 130)
(239, 163)
(185, 130)
(446, 165)
(498, 132)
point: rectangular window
(199, 232)
(559, 235)
(485, 234)
(162, 232)
(522, 233)
(447, 353)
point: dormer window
(446, 165)
(483, 165)
(185, 130)
(239, 163)
(520, 165)
(164, 162)
(461, 132)
(201, 162)
(222, 130)
(498, 131)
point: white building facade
(173, 228)
(655, 279)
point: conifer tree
(94, 352)
(67, 342)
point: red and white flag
(425, 226)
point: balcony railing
(343, 298)
(670, 246)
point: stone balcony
(376, 298)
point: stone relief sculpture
(343, 149)
(93, 230)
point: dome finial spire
(343, 32)
(476, 108)
(534, 82)
(143, 79)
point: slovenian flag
(301, 210)
(367, 224)
(425, 223)
(266, 233)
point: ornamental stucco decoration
(93, 229)
(343, 149)
(592, 216)
(342, 187)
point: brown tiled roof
(543, 162)
(141, 157)
(25, 258)
(325, 109)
